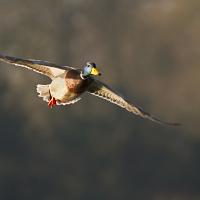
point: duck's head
(90, 69)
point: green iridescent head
(90, 69)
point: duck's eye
(94, 65)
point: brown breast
(75, 83)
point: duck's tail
(44, 92)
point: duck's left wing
(101, 90)
(43, 67)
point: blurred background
(149, 51)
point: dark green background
(149, 51)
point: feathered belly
(60, 91)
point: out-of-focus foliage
(148, 50)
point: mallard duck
(69, 83)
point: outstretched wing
(101, 90)
(43, 67)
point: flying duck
(68, 84)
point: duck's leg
(52, 102)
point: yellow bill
(95, 72)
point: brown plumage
(68, 84)
(75, 83)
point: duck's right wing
(43, 67)
(101, 90)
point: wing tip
(163, 122)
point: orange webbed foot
(52, 102)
